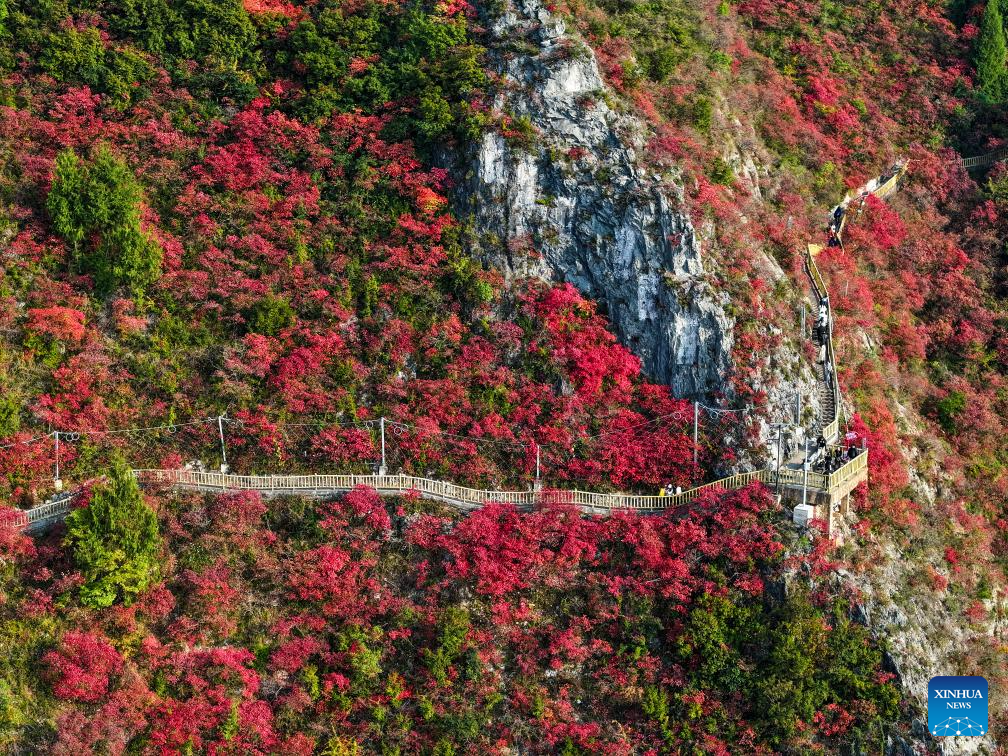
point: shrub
(722, 173)
(703, 113)
(454, 628)
(81, 666)
(80, 57)
(10, 414)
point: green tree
(271, 315)
(64, 198)
(991, 54)
(74, 56)
(115, 541)
(81, 57)
(949, 409)
(100, 203)
(454, 628)
(370, 297)
(10, 414)
(415, 56)
(805, 660)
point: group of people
(821, 331)
(836, 226)
(825, 460)
(821, 328)
(669, 490)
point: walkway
(833, 487)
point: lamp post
(383, 469)
(57, 483)
(804, 496)
(223, 451)
(537, 486)
(779, 427)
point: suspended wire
(310, 424)
(73, 435)
(682, 417)
(561, 452)
(26, 442)
(718, 411)
(398, 428)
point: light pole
(383, 470)
(223, 451)
(804, 496)
(57, 483)
(779, 427)
(538, 481)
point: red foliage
(976, 611)
(832, 721)
(14, 542)
(80, 668)
(62, 323)
(213, 599)
(580, 341)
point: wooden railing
(832, 429)
(452, 493)
(842, 476)
(890, 185)
(981, 160)
(48, 511)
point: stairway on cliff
(825, 400)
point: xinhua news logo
(957, 706)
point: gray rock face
(577, 206)
(922, 639)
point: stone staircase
(826, 409)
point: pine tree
(115, 541)
(991, 54)
(96, 208)
(64, 199)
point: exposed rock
(739, 155)
(922, 639)
(580, 198)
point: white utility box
(803, 513)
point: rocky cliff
(575, 203)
